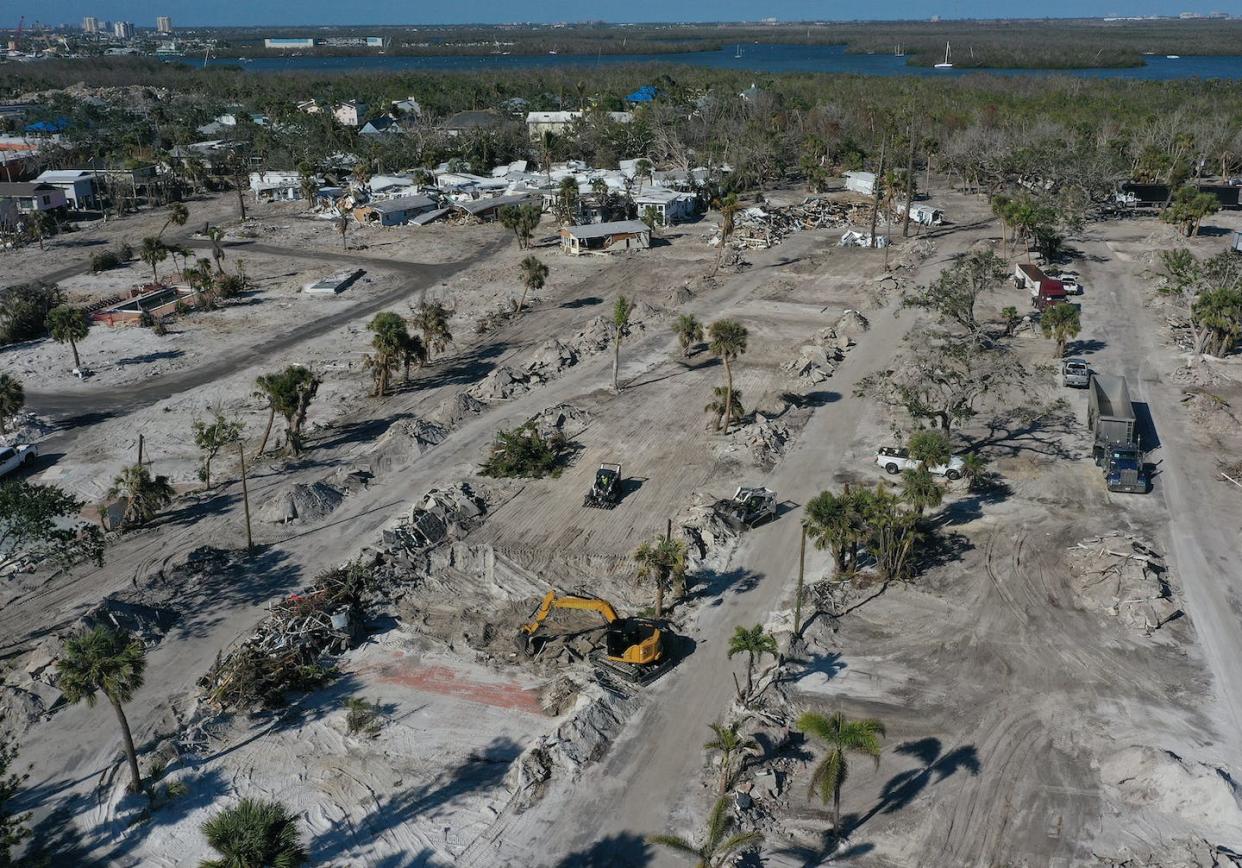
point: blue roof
(646, 93)
(54, 126)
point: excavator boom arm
(552, 601)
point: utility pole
(879, 179)
(797, 625)
(905, 226)
(140, 441)
(241, 453)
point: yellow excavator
(633, 647)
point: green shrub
(524, 452)
(104, 261)
(363, 717)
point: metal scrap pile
(287, 650)
(766, 226)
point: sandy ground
(1026, 724)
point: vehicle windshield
(1125, 464)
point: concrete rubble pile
(817, 361)
(447, 513)
(29, 692)
(1126, 578)
(502, 383)
(564, 419)
(707, 532)
(289, 649)
(765, 438)
(578, 742)
(452, 410)
(760, 227)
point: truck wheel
(952, 475)
(891, 467)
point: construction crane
(633, 647)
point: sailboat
(739, 51)
(946, 64)
(897, 52)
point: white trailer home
(860, 182)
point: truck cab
(1124, 470)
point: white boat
(946, 64)
(1172, 57)
(739, 51)
(897, 52)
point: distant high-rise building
(163, 24)
(90, 24)
(123, 29)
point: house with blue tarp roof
(58, 125)
(646, 93)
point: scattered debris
(760, 227)
(854, 238)
(1126, 578)
(443, 513)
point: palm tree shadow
(623, 850)
(903, 788)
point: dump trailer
(1115, 446)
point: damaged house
(394, 212)
(606, 237)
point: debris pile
(302, 501)
(818, 361)
(550, 360)
(502, 383)
(765, 438)
(412, 437)
(760, 227)
(443, 513)
(28, 691)
(1203, 795)
(148, 623)
(289, 649)
(707, 531)
(1126, 578)
(452, 410)
(854, 238)
(564, 419)
(24, 428)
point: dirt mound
(452, 411)
(502, 383)
(763, 438)
(551, 359)
(301, 502)
(1205, 796)
(1125, 578)
(564, 419)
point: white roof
(660, 194)
(62, 176)
(551, 117)
(603, 230)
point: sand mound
(1205, 796)
(301, 502)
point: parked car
(1070, 282)
(1076, 373)
(895, 459)
(13, 457)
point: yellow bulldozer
(633, 647)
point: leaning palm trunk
(267, 432)
(728, 398)
(132, 755)
(616, 364)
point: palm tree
(1001, 207)
(12, 399)
(145, 495)
(920, 489)
(153, 253)
(390, 343)
(1011, 317)
(1218, 313)
(103, 660)
(754, 643)
(975, 470)
(842, 737)
(716, 847)
(254, 834)
(1060, 322)
(68, 325)
(413, 351)
(930, 448)
(719, 409)
(620, 328)
(835, 522)
(689, 331)
(731, 744)
(178, 214)
(216, 236)
(432, 319)
(288, 392)
(342, 226)
(664, 562)
(534, 274)
(728, 208)
(727, 340)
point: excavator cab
(632, 648)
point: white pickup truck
(13, 457)
(894, 460)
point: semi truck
(1115, 444)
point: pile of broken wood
(287, 650)
(765, 226)
(1125, 577)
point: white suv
(13, 457)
